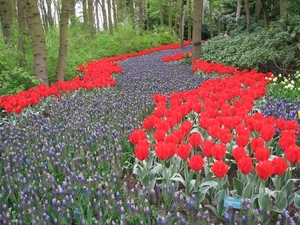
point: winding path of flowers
(64, 167)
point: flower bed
(72, 165)
(213, 128)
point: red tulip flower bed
(96, 74)
(212, 128)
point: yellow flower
(299, 113)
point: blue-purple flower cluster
(284, 108)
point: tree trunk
(132, 14)
(197, 29)
(44, 16)
(72, 13)
(63, 44)
(5, 20)
(189, 15)
(141, 19)
(91, 18)
(161, 15)
(104, 15)
(266, 16)
(49, 14)
(258, 9)
(170, 13)
(238, 10)
(247, 13)
(219, 20)
(148, 16)
(84, 13)
(97, 15)
(181, 23)
(110, 24)
(115, 13)
(282, 8)
(22, 32)
(38, 44)
(121, 10)
(210, 19)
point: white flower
(275, 79)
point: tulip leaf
(178, 177)
(214, 210)
(239, 185)
(220, 196)
(265, 202)
(248, 191)
(289, 187)
(290, 199)
(155, 170)
(210, 183)
(297, 200)
(282, 200)
(190, 186)
(200, 195)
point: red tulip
(264, 169)
(172, 138)
(183, 150)
(219, 169)
(159, 135)
(262, 154)
(286, 141)
(267, 132)
(245, 164)
(196, 162)
(242, 140)
(136, 136)
(206, 147)
(256, 143)
(279, 166)
(238, 153)
(293, 154)
(141, 152)
(164, 150)
(224, 135)
(218, 151)
(195, 139)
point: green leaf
(239, 185)
(214, 210)
(248, 191)
(289, 187)
(190, 186)
(155, 170)
(265, 202)
(211, 183)
(199, 196)
(178, 177)
(297, 200)
(220, 196)
(282, 200)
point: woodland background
(44, 40)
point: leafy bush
(275, 49)
(13, 81)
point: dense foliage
(275, 49)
